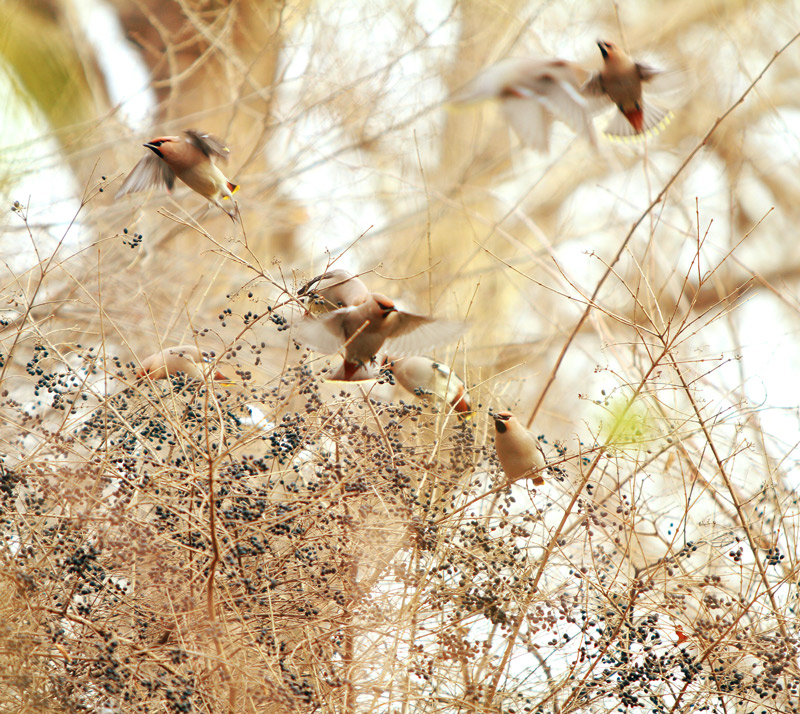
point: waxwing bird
(532, 92)
(193, 362)
(620, 81)
(192, 161)
(333, 290)
(363, 329)
(428, 378)
(517, 450)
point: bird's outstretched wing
(150, 171)
(593, 87)
(529, 120)
(564, 101)
(417, 334)
(207, 143)
(322, 334)
(556, 84)
(487, 84)
(646, 72)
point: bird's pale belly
(202, 181)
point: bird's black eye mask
(500, 426)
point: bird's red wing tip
(233, 187)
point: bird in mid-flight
(363, 329)
(621, 81)
(532, 92)
(192, 161)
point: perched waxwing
(363, 329)
(192, 161)
(620, 81)
(518, 451)
(532, 92)
(193, 362)
(428, 378)
(333, 290)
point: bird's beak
(155, 150)
(603, 48)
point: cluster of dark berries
(133, 241)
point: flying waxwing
(620, 81)
(333, 290)
(192, 161)
(426, 377)
(188, 359)
(532, 92)
(517, 450)
(363, 329)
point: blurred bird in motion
(192, 161)
(428, 378)
(333, 290)
(189, 359)
(532, 92)
(620, 81)
(518, 451)
(364, 329)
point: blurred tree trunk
(60, 78)
(214, 67)
(474, 152)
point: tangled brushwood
(184, 546)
